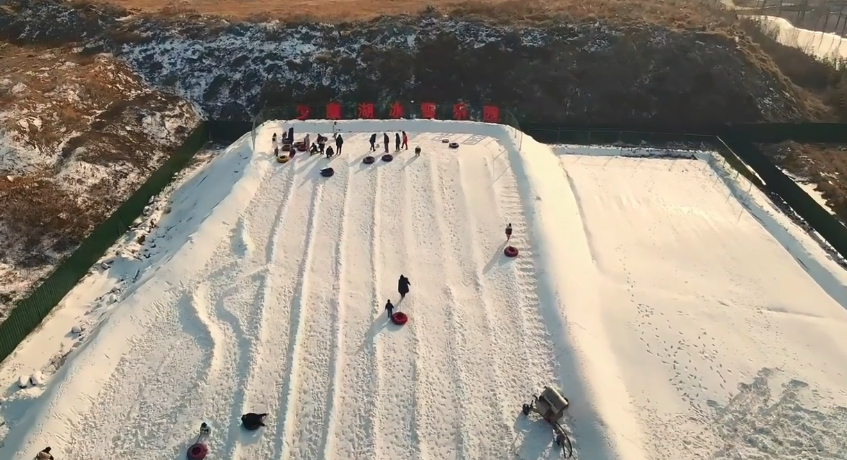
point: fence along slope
(29, 312)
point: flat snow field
(679, 325)
(727, 323)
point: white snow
(822, 45)
(681, 314)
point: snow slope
(728, 324)
(267, 291)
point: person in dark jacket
(385, 141)
(321, 143)
(252, 421)
(389, 307)
(329, 152)
(44, 455)
(397, 141)
(313, 150)
(291, 135)
(339, 141)
(373, 142)
(508, 232)
(403, 286)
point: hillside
(78, 134)
(541, 62)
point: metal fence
(29, 312)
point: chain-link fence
(29, 312)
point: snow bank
(822, 45)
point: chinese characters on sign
(333, 111)
(460, 111)
(366, 111)
(396, 110)
(490, 114)
(302, 111)
(428, 110)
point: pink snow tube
(197, 451)
(511, 251)
(399, 318)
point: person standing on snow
(373, 142)
(306, 141)
(403, 286)
(389, 307)
(405, 141)
(385, 141)
(321, 143)
(339, 141)
(397, 141)
(508, 232)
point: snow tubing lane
(454, 145)
(399, 318)
(368, 160)
(197, 452)
(387, 157)
(510, 251)
(328, 172)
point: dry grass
(676, 13)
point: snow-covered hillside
(681, 322)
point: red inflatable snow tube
(399, 318)
(197, 452)
(510, 251)
(368, 160)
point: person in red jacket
(405, 141)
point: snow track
(272, 301)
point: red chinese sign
(428, 110)
(491, 114)
(302, 111)
(333, 111)
(366, 111)
(396, 110)
(460, 111)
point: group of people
(320, 147)
(400, 141)
(403, 288)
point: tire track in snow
(356, 408)
(395, 430)
(284, 241)
(503, 321)
(297, 288)
(537, 338)
(277, 187)
(478, 356)
(437, 401)
(317, 371)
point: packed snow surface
(682, 317)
